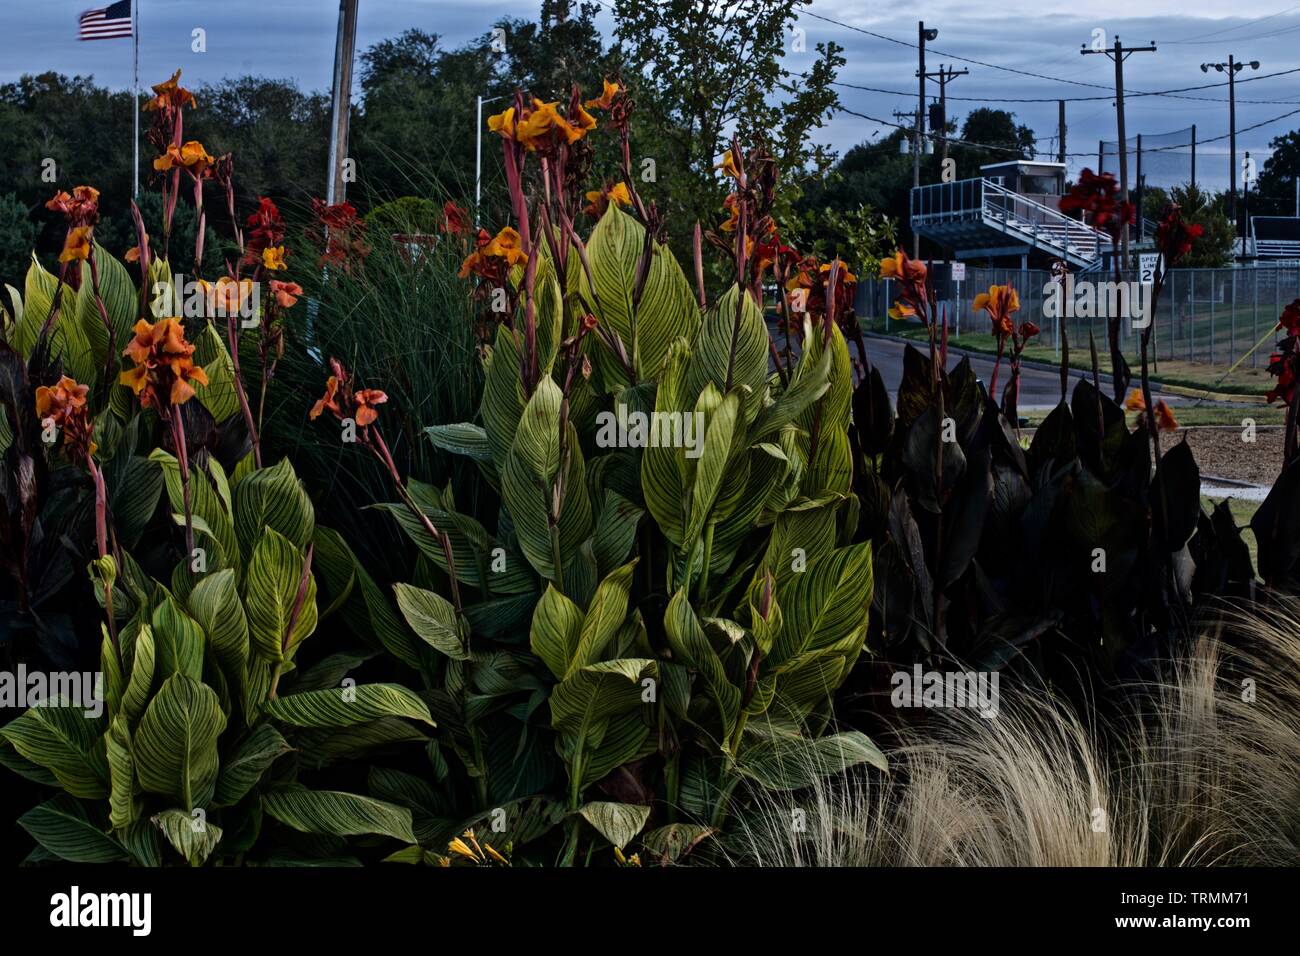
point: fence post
(1213, 310)
(1173, 311)
(1232, 334)
(1254, 324)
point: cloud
(298, 42)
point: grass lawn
(1243, 381)
(1192, 415)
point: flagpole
(135, 100)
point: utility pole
(1232, 68)
(922, 34)
(1119, 54)
(1060, 131)
(344, 49)
(944, 76)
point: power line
(1241, 26)
(1091, 99)
(1044, 76)
(1008, 149)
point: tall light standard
(478, 153)
(1232, 68)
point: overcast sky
(295, 38)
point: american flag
(106, 23)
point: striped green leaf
(271, 584)
(345, 706)
(713, 348)
(219, 396)
(555, 630)
(123, 807)
(66, 743)
(175, 745)
(241, 771)
(619, 823)
(792, 763)
(272, 498)
(214, 603)
(193, 837)
(338, 814)
(434, 620)
(691, 647)
(61, 826)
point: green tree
(701, 72)
(1277, 180)
(17, 236)
(1208, 210)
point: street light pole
(478, 154)
(1232, 68)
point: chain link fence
(1209, 316)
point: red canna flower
(1095, 196)
(454, 219)
(1174, 238)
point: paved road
(1038, 388)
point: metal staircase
(978, 217)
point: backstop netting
(1161, 159)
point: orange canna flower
(498, 254)
(191, 156)
(537, 127)
(273, 258)
(1165, 420)
(170, 94)
(899, 266)
(227, 296)
(844, 274)
(58, 400)
(606, 99)
(343, 403)
(999, 302)
(503, 123)
(366, 398)
(728, 165)
(598, 200)
(328, 400)
(76, 245)
(286, 293)
(164, 367)
(64, 404)
(733, 212)
(81, 208)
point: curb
(1183, 391)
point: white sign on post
(1147, 262)
(958, 276)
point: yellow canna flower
(273, 258)
(76, 245)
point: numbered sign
(1147, 267)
